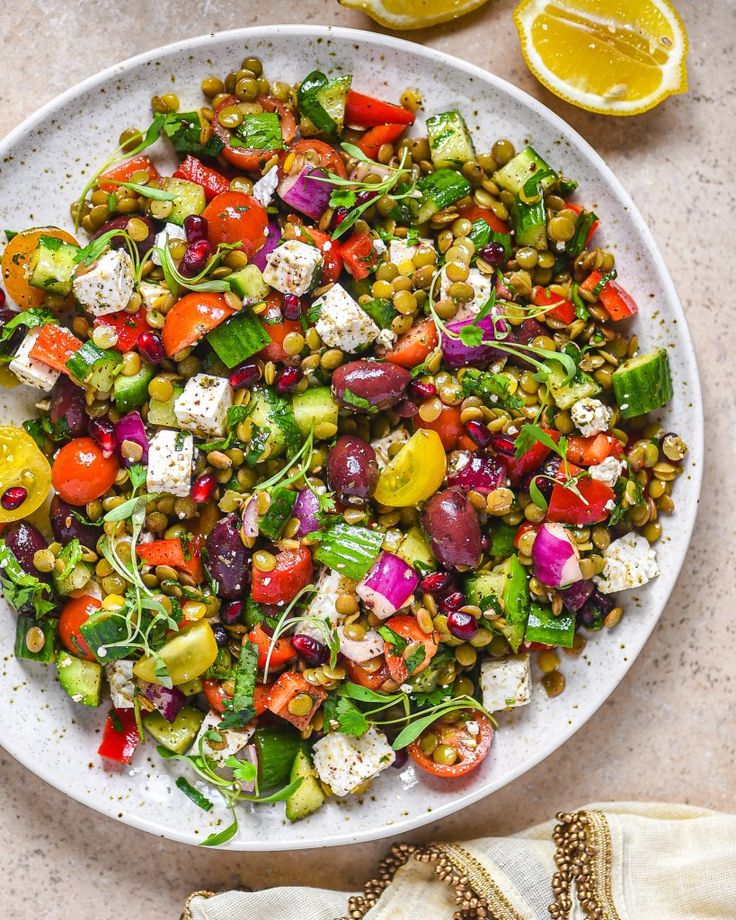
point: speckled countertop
(667, 732)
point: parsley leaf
(19, 588)
(241, 709)
(184, 130)
(415, 658)
(243, 770)
(342, 198)
(341, 714)
(137, 475)
(259, 132)
(31, 318)
(471, 335)
(398, 643)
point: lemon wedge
(614, 57)
(413, 14)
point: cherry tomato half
(473, 212)
(407, 627)
(414, 346)
(191, 318)
(448, 426)
(322, 153)
(234, 217)
(81, 473)
(373, 680)
(470, 739)
(76, 612)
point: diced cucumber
(502, 539)
(276, 746)
(239, 337)
(79, 576)
(222, 666)
(381, 311)
(415, 550)
(507, 582)
(162, 413)
(484, 584)
(25, 642)
(643, 383)
(449, 140)
(131, 392)
(52, 265)
(273, 430)
(191, 687)
(333, 97)
(95, 366)
(427, 680)
(349, 550)
(439, 189)
(279, 511)
(530, 224)
(105, 628)
(525, 166)
(566, 395)
(248, 283)
(81, 679)
(176, 736)
(323, 101)
(308, 797)
(544, 626)
(314, 407)
(189, 199)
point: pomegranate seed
(204, 488)
(310, 650)
(364, 196)
(493, 253)
(287, 378)
(292, 308)
(2, 297)
(151, 347)
(462, 625)
(402, 756)
(245, 375)
(420, 391)
(503, 446)
(195, 258)
(101, 429)
(230, 612)
(453, 601)
(338, 217)
(479, 433)
(436, 582)
(13, 497)
(484, 542)
(221, 635)
(195, 227)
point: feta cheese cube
(506, 682)
(607, 471)
(235, 738)
(170, 455)
(293, 267)
(170, 232)
(342, 324)
(122, 686)
(590, 416)
(30, 371)
(107, 286)
(202, 407)
(381, 445)
(400, 251)
(482, 286)
(630, 562)
(344, 762)
(322, 607)
(151, 293)
(265, 187)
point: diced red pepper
(282, 652)
(578, 208)
(565, 507)
(171, 552)
(617, 302)
(290, 685)
(54, 346)
(213, 182)
(281, 585)
(366, 112)
(128, 327)
(373, 139)
(594, 449)
(563, 310)
(518, 467)
(359, 255)
(120, 736)
(123, 172)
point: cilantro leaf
(531, 434)
(259, 132)
(341, 714)
(398, 643)
(19, 588)
(235, 415)
(31, 319)
(242, 709)
(342, 198)
(184, 130)
(137, 475)
(471, 335)
(243, 770)
(415, 658)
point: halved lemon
(413, 14)
(614, 57)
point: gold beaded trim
(187, 913)
(583, 858)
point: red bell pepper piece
(213, 182)
(282, 652)
(277, 328)
(123, 172)
(367, 112)
(280, 586)
(120, 736)
(373, 139)
(171, 552)
(128, 327)
(54, 346)
(617, 302)
(565, 507)
(289, 685)
(563, 310)
(359, 255)
(518, 467)
(592, 450)
(577, 208)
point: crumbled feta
(30, 371)
(202, 407)
(590, 416)
(630, 562)
(385, 340)
(344, 762)
(400, 251)
(235, 738)
(363, 649)
(342, 324)
(122, 687)
(151, 293)
(107, 285)
(380, 246)
(170, 455)
(170, 232)
(265, 187)
(506, 682)
(607, 471)
(481, 285)
(293, 267)
(381, 445)
(322, 607)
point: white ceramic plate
(42, 164)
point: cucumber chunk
(189, 199)
(279, 511)
(273, 430)
(643, 383)
(248, 283)
(314, 407)
(530, 224)
(508, 582)
(96, 366)
(52, 265)
(439, 189)
(77, 578)
(238, 338)
(520, 169)
(131, 392)
(105, 628)
(81, 679)
(176, 736)
(415, 550)
(449, 140)
(25, 642)
(308, 797)
(276, 746)
(567, 394)
(162, 413)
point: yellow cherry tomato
(22, 464)
(186, 656)
(415, 473)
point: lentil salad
(412, 447)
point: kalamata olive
(595, 609)
(120, 223)
(231, 612)
(369, 386)
(453, 529)
(524, 334)
(352, 471)
(468, 471)
(66, 404)
(24, 540)
(227, 558)
(221, 636)
(67, 527)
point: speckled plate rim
(588, 706)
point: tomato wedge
(470, 739)
(414, 346)
(473, 212)
(192, 317)
(592, 450)
(359, 255)
(373, 139)
(292, 573)
(171, 552)
(447, 425)
(109, 179)
(407, 627)
(217, 695)
(565, 507)
(277, 328)
(213, 182)
(373, 680)
(76, 612)
(325, 154)
(250, 159)
(234, 217)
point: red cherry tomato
(277, 328)
(217, 695)
(471, 747)
(325, 154)
(81, 473)
(373, 680)
(473, 212)
(408, 628)
(249, 159)
(447, 425)
(76, 612)
(191, 318)
(236, 217)
(598, 500)
(414, 346)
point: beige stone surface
(667, 733)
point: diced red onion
(576, 595)
(457, 354)
(249, 520)
(306, 193)
(273, 235)
(479, 472)
(370, 646)
(388, 586)
(555, 557)
(167, 700)
(131, 428)
(306, 509)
